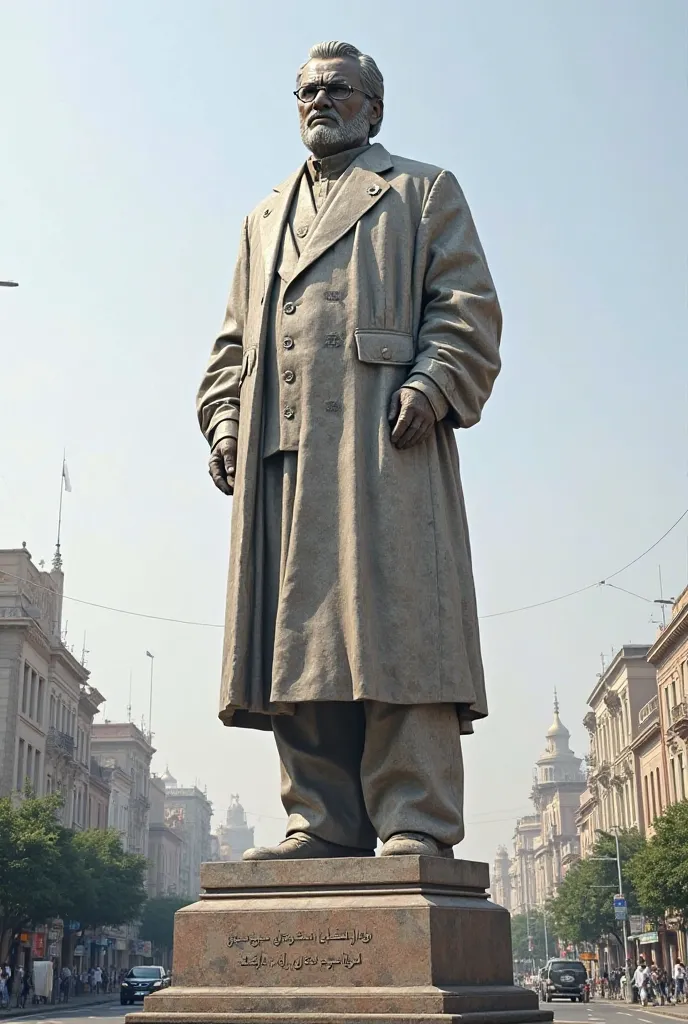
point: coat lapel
(274, 219)
(356, 192)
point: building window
(37, 772)
(33, 693)
(20, 765)
(39, 703)
(659, 793)
(25, 689)
(654, 802)
(668, 705)
(682, 777)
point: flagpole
(150, 701)
(57, 558)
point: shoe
(302, 846)
(415, 844)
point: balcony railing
(648, 710)
(679, 718)
(61, 742)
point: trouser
(353, 771)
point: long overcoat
(377, 598)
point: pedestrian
(26, 986)
(641, 982)
(4, 998)
(98, 979)
(65, 983)
(679, 981)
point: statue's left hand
(412, 417)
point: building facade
(47, 706)
(164, 847)
(188, 812)
(621, 724)
(501, 881)
(545, 843)
(669, 656)
(236, 835)
(557, 787)
(124, 752)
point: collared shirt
(324, 171)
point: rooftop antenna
(661, 600)
(604, 664)
(129, 704)
(84, 651)
(65, 485)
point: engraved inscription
(323, 956)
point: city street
(597, 1012)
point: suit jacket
(378, 599)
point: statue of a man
(362, 329)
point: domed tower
(236, 835)
(501, 881)
(557, 786)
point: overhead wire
(489, 615)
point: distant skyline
(138, 136)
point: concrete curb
(55, 1008)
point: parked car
(563, 979)
(139, 982)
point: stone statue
(362, 330)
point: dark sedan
(140, 982)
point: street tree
(660, 869)
(522, 926)
(583, 909)
(38, 866)
(157, 921)
(113, 892)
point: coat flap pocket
(386, 347)
(247, 364)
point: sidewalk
(679, 1010)
(75, 1002)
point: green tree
(519, 937)
(157, 920)
(583, 909)
(659, 870)
(37, 862)
(113, 891)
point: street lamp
(615, 833)
(9, 284)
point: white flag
(65, 476)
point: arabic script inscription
(324, 956)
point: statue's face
(329, 124)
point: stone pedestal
(391, 939)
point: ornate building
(236, 835)
(546, 843)
(624, 745)
(501, 882)
(669, 655)
(557, 786)
(188, 812)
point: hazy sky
(135, 137)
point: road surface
(600, 1011)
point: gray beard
(326, 140)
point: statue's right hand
(222, 465)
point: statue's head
(340, 98)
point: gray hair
(371, 77)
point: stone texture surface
(393, 939)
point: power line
(490, 615)
(590, 586)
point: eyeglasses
(335, 90)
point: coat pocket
(247, 364)
(388, 348)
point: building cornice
(613, 670)
(669, 638)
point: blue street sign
(620, 908)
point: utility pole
(624, 922)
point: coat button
(385, 353)
(373, 190)
(266, 213)
(301, 232)
(289, 376)
(288, 342)
(289, 308)
(289, 413)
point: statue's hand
(222, 465)
(412, 418)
